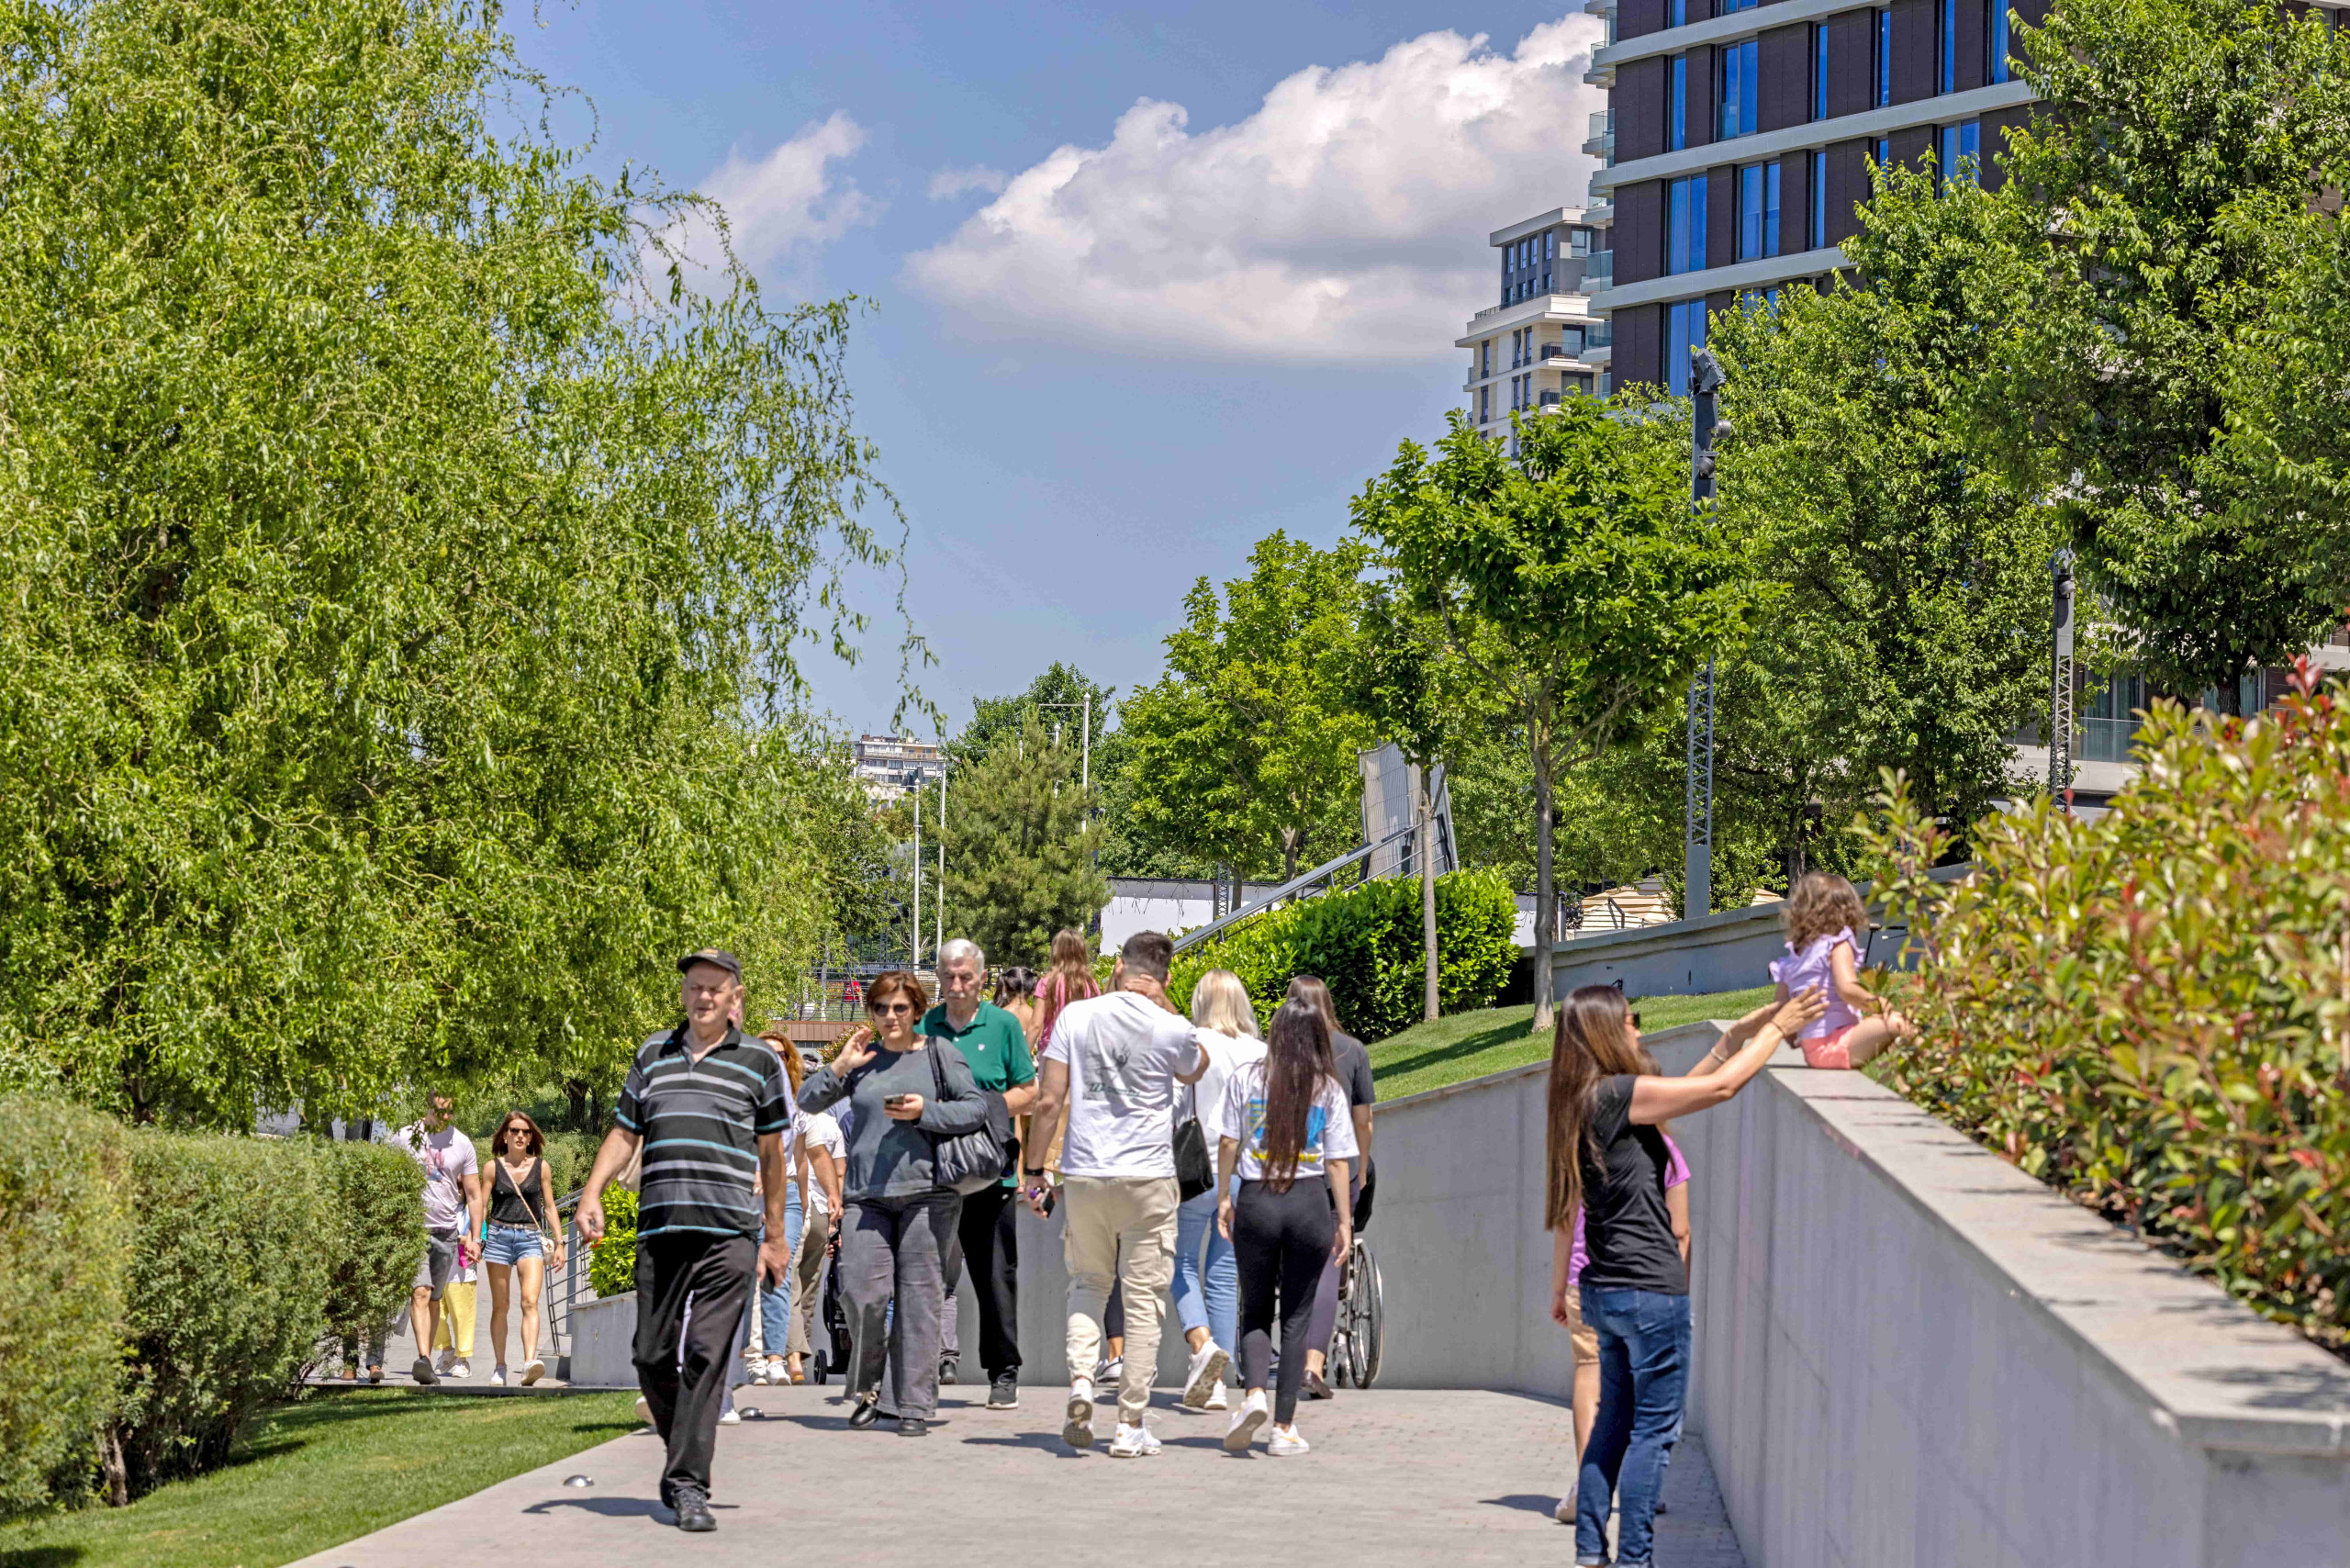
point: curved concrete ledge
(1909, 1353)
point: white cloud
(784, 207)
(949, 184)
(1343, 222)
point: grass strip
(1495, 1039)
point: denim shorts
(510, 1244)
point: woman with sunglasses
(897, 1222)
(514, 1237)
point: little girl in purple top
(1824, 920)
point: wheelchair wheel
(1363, 1316)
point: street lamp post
(2060, 680)
(1705, 380)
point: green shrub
(65, 1236)
(227, 1295)
(1366, 943)
(2152, 1011)
(612, 1266)
(569, 1155)
(379, 1221)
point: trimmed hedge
(228, 1296)
(65, 1269)
(612, 1263)
(1366, 943)
(379, 1233)
(2152, 1011)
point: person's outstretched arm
(1661, 1099)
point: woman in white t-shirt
(1284, 1126)
(820, 1155)
(1207, 1295)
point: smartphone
(896, 1100)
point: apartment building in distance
(1541, 341)
(890, 765)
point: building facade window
(1729, 5)
(1883, 74)
(1676, 13)
(1488, 366)
(1685, 334)
(1946, 49)
(1676, 113)
(1816, 235)
(1961, 152)
(1578, 242)
(1684, 225)
(1757, 211)
(1819, 71)
(1994, 41)
(1738, 89)
(1885, 152)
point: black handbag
(1195, 1173)
(973, 1161)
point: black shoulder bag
(968, 1162)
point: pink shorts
(1829, 1050)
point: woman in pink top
(1824, 919)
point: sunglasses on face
(1635, 1019)
(879, 1009)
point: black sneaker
(912, 1426)
(865, 1413)
(947, 1369)
(692, 1507)
(1003, 1393)
(1316, 1386)
(422, 1371)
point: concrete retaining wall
(601, 1332)
(1910, 1354)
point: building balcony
(1598, 271)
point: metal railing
(1603, 123)
(1297, 888)
(565, 1288)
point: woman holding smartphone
(897, 1222)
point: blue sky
(1146, 285)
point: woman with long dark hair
(1351, 1059)
(521, 1237)
(1283, 1127)
(1607, 1157)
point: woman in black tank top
(520, 1238)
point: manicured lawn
(1470, 1044)
(322, 1471)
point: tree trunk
(111, 1467)
(1545, 896)
(1431, 1004)
(576, 1091)
(1289, 854)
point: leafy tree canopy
(1019, 850)
(407, 569)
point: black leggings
(1279, 1242)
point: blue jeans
(1206, 1296)
(774, 1302)
(1643, 1376)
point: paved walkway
(1398, 1476)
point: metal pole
(914, 937)
(1697, 837)
(2060, 681)
(941, 916)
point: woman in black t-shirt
(1607, 1157)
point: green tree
(1247, 742)
(1908, 578)
(1062, 698)
(2136, 251)
(1019, 850)
(1575, 579)
(406, 574)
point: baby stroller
(832, 1354)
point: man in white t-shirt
(452, 1213)
(1117, 1061)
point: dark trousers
(987, 1240)
(893, 1250)
(1279, 1242)
(691, 1295)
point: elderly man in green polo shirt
(993, 1043)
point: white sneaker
(779, 1375)
(443, 1361)
(1136, 1441)
(1077, 1430)
(463, 1369)
(534, 1370)
(729, 1416)
(498, 1377)
(1206, 1370)
(643, 1410)
(759, 1371)
(1107, 1375)
(1285, 1440)
(1253, 1412)
(1217, 1398)
(1565, 1512)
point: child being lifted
(1824, 919)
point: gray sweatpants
(896, 1248)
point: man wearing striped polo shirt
(711, 1109)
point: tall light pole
(1705, 380)
(914, 938)
(940, 944)
(2060, 680)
